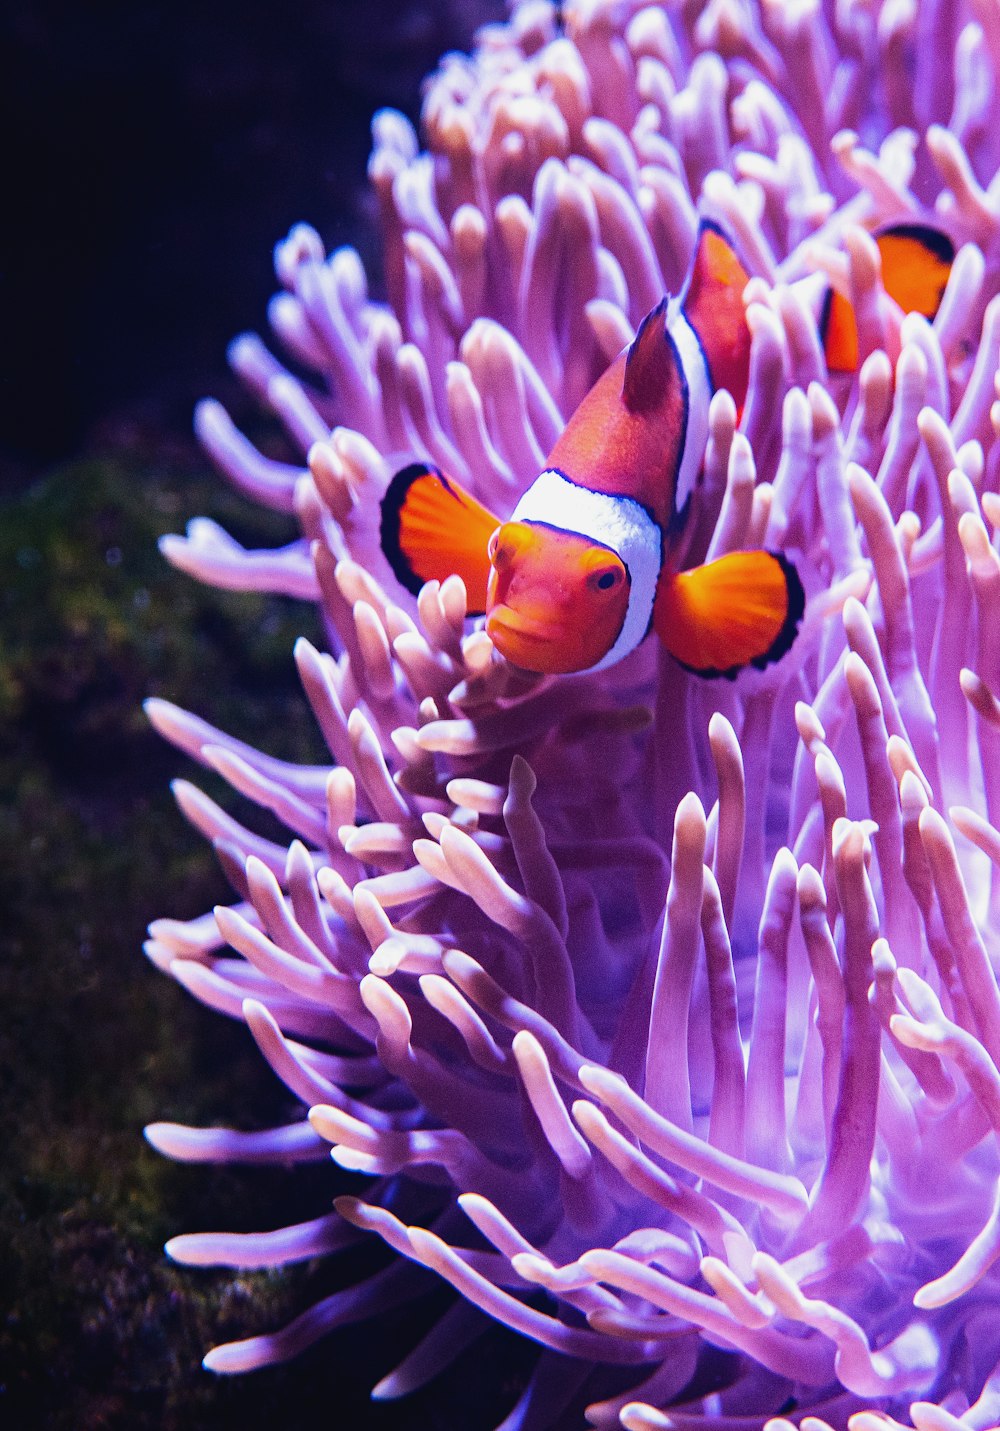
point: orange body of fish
(585, 566)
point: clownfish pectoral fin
(712, 302)
(432, 529)
(916, 262)
(741, 610)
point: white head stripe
(699, 386)
(619, 523)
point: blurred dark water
(155, 152)
(154, 155)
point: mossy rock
(99, 1330)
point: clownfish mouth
(504, 624)
(525, 643)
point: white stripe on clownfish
(586, 564)
(699, 390)
(619, 523)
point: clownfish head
(556, 601)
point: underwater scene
(542, 726)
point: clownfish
(585, 566)
(581, 572)
(916, 263)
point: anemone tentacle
(677, 1005)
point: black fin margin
(785, 638)
(823, 322)
(392, 505)
(935, 241)
(782, 643)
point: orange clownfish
(581, 572)
(916, 262)
(585, 566)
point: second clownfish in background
(916, 261)
(584, 567)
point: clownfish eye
(606, 578)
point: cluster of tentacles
(674, 999)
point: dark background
(153, 155)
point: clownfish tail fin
(431, 528)
(712, 303)
(742, 609)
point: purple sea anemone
(665, 1010)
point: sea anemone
(661, 1012)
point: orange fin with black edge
(432, 528)
(712, 302)
(740, 610)
(838, 331)
(916, 263)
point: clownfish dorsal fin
(647, 362)
(431, 528)
(712, 302)
(742, 609)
